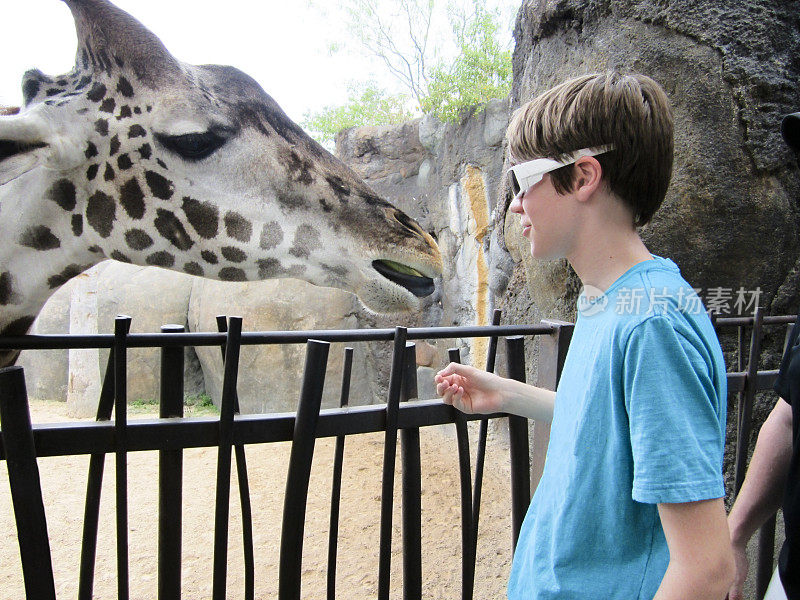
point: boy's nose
(516, 204)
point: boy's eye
(192, 146)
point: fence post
(412, 487)
(468, 545)
(389, 459)
(297, 480)
(26, 489)
(170, 474)
(553, 351)
(122, 325)
(518, 443)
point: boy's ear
(588, 176)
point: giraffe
(139, 157)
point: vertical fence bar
(26, 489)
(553, 351)
(745, 408)
(122, 326)
(170, 474)
(336, 485)
(412, 487)
(468, 548)
(297, 480)
(518, 443)
(389, 457)
(94, 485)
(244, 493)
(480, 456)
(222, 510)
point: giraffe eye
(192, 146)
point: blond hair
(630, 112)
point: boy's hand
(469, 389)
(742, 565)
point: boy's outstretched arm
(472, 390)
(762, 491)
(701, 560)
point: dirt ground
(64, 483)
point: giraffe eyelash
(192, 146)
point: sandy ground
(64, 483)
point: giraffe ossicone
(136, 156)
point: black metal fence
(401, 417)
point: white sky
(282, 44)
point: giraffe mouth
(404, 276)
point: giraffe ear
(110, 39)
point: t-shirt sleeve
(782, 385)
(676, 420)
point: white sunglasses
(524, 175)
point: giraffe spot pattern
(132, 198)
(62, 192)
(161, 259)
(101, 127)
(19, 326)
(91, 172)
(124, 112)
(124, 87)
(39, 237)
(145, 151)
(238, 227)
(306, 240)
(91, 151)
(232, 274)
(108, 174)
(114, 145)
(124, 162)
(64, 276)
(339, 187)
(97, 93)
(160, 186)
(7, 295)
(271, 235)
(108, 105)
(202, 216)
(77, 225)
(117, 255)
(233, 254)
(209, 257)
(101, 213)
(171, 229)
(192, 268)
(138, 239)
(136, 131)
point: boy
(630, 504)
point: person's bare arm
(472, 390)
(701, 560)
(762, 491)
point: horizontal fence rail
(399, 418)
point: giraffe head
(137, 156)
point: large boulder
(730, 70)
(270, 375)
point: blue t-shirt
(639, 419)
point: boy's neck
(607, 247)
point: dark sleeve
(790, 363)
